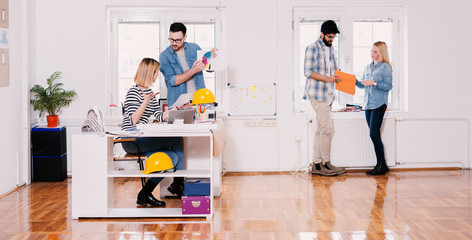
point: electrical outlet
(248, 123)
(253, 123)
(270, 123)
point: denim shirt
(376, 96)
(170, 68)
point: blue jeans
(149, 145)
(374, 119)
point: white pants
(324, 129)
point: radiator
(351, 145)
(433, 142)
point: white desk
(93, 172)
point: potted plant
(51, 99)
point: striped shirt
(322, 62)
(133, 100)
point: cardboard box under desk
(195, 204)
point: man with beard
(180, 78)
(179, 64)
(320, 64)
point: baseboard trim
(12, 191)
(356, 170)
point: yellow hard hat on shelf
(203, 96)
(157, 162)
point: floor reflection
(376, 230)
(257, 206)
(48, 207)
(155, 229)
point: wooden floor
(400, 205)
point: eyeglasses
(175, 40)
(331, 37)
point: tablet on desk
(186, 115)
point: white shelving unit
(93, 172)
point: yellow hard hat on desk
(203, 96)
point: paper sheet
(347, 83)
(183, 99)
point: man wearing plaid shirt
(320, 64)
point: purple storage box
(195, 204)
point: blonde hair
(383, 52)
(145, 74)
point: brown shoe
(338, 170)
(323, 171)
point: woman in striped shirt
(140, 105)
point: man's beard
(327, 43)
(177, 48)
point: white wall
(12, 100)
(70, 36)
(437, 89)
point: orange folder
(347, 83)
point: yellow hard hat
(158, 161)
(203, 96)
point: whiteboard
(252, 99)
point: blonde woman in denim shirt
(377, 82)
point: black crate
(49, 168)
(49, 141)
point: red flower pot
(52, 120)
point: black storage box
(49, 154)
(49, 168)
(49, 141)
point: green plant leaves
(52, 98)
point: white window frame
(346, 16)
(165, 16)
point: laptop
(187, 115)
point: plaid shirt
(315, 62)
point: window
(359, 28)
(136, 40)
(366, 32)
(142, 32)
